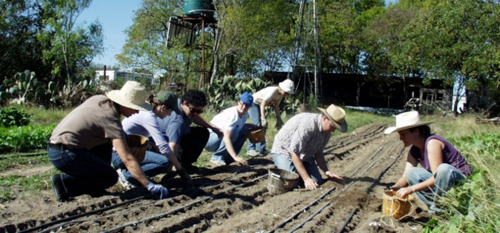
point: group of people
(89, 146)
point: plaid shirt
(303, 135)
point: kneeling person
(232, 123)
(299, 145)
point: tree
(70, 48)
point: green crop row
(24, 138)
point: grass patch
(13, 186)
(46, 116)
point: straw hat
(337, 116)
(132, 95)
(406, 120)
(287, 86)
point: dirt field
(235, 199)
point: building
(113, 75)
(377, 92)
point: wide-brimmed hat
(337, 116)
(287, 86)
(170, 99)
(132, 95)
(406, 120)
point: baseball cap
(168, 98)
(247, 98)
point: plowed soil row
(235, 199)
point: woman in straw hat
(80, 145)
(144, 123)
(269, 96)
(298, 146)
(442, 164)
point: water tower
(197, 15)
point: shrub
(14, 117)
(25, 138)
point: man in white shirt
(231, 122)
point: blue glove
(157, 190)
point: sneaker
(58, 186)
(253, 153)
(218, 162)
(264, 153)
(123, 181)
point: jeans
(445, 178)
(192, 145)
(254, 114)
(217, 145)
(84, 171)
(152, 165)
(286, 164)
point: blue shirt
(175, 126)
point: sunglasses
(195, 111)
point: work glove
(185, 177)
(157, 190)
(279, 123)
(263, 122)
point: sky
(115, 16)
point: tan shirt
(89, 125)
(269, 94)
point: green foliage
(23, 87)
(14, 117)
(25, 138)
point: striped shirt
(302, 134)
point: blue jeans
(254, 114)
(445, 178)
(286, 164)
(84, 171)
(152, 165)
(217, 145)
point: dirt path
(24, 170)
(235, 199)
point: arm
(277, 111)
(230, 148)
(308, 181)
(435, 154)
(202, 122)
(153, 128)
(320, 160)
(129, 160)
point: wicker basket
(256, 135)
(138, 145)
(396, 207)
(281, 181)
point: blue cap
(247, 98)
